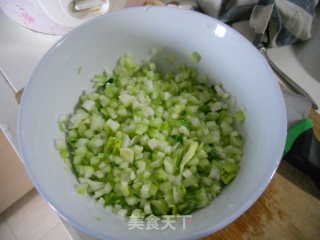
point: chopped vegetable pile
(143, 142)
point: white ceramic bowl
(55, 85)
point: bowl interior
(55, 85)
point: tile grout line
(42, 237)
(8, 225)
(65, 228)
(11, 228)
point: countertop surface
(288, 209)
(282, 212)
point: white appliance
(58, 17)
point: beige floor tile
(57, 233)
(30, 218)
(13, 172)
(5, 232)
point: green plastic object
(295, 131)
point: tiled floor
(31, 218)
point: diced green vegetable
(82, 188)
(60, 144)
(143, 142)
(195, 56)
(239, 116)
(189, 154)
